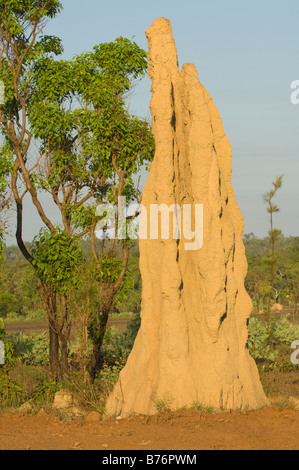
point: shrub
(201, 407)
(115, 346)
(109, 374)
(272, 343)
(33, 349)
(44, 391)
(258, 341)
(283, 331)
(11, 392)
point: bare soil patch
(275, 428)
(267, 429)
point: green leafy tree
(21, 42)
(91, 153)
(89, 146)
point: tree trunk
(97, 330)
(98, 335)
(64, 335)
(54, 350)
(64, 339)
(51, 307)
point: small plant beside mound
(270, 345)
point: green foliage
(2, 330)
(258, 341)
(14, 13)
(19, 292)
(21, 25)
(270, 344)
(5, 168)
(11, 392)
(115, 346)
(57, 258)
(108, 268)
(44, 391)
(163, 403)
(268, 196)
(274, 235)
(84, 139)
(90, 147)
(258, 280)
(110, 373)
(201, 407)
(21, 383)
(278, 365)
(10, 357)
(283, 332)
(6, 165)
(32, 349)
(131, 300)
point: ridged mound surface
(192, 344)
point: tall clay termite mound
(192, 344)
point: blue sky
(247, 54)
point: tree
(21, 43)
(91, 152)
(21, 28)
(56, 258)
(273, 233)
(74, 114)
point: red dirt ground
(275, 428)
(267, 429)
